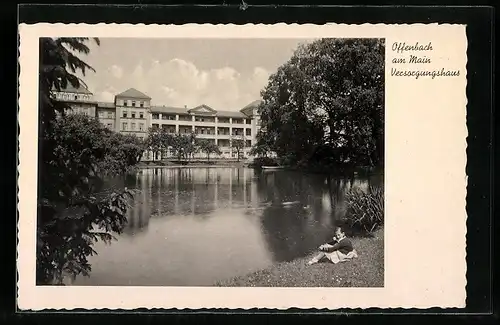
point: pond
(194, 226)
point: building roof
(248, 110)
(82, 89)
(178, 110)
(253, 104)
(133, 93)
(231, 114)
(203, 109)
(169, 109)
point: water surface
(194, 226)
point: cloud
(106, 96)
(179, 82)
(116, 71)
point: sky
(225, 74)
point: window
(124, 126)
(76, 97)
(141, 115)
(101, 114)
(141, 126)
(133, 114)
(125, 103)
(248, 121)
(133, 103)
(249, 131)
(141, 104)
(132, 127)
(110, 115)
(155, 116)
(124, 114)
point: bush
(264, 161)
(365, 210)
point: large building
(132, 113)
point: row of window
(131, 103)
(133, 127)
(132, 114)
(156, 116)
(208, 131)
(68, 96)
(108, 115)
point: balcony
(205, 136)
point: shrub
(365, 210)
(264, 161)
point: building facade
(132, 113)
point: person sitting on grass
(340, 249)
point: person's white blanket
(337, 257)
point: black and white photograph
(211, 162)
(242, 166)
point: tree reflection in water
(217, 204)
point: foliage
(125, 151)
(264, 161)
(208, 147)
(263, 145)
(238, 145)
(157, 141)
(326, 105)
(76, 152)
(365, 210)
(182, 145)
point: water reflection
(193, 226)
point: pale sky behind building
(225, 74)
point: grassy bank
(365, 271)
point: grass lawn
(365, 271)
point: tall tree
(326, 104)
(183, 145)
(72, 214)
(208, 147)
(238, 145)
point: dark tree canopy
(326, 105)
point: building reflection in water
(193, 226)
(288, 231)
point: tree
(325, 105)
(154, 141)
(208, 147)
(124, 151)
(73, 149)
(238, 145)
(191, 147)
(183, 145)
(158, 140)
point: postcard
(242, 166)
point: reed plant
(365, 209)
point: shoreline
(191, 166)
(365, 271)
